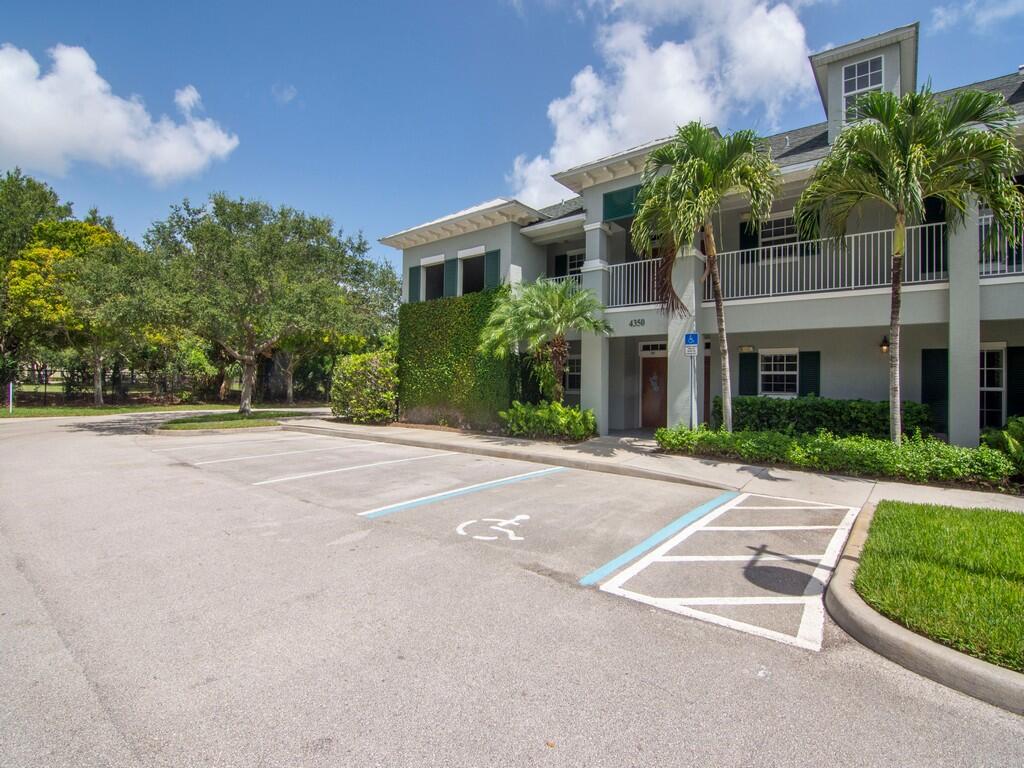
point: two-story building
(803, 317)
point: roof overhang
(627, 163)
(490, 214)
(544, 232)
(906, 37)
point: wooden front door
(653, 392)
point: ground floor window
(573, 376)
(992, 386)
(472, 275)
(778, 372)
(433, 282)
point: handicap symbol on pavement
(499, 527)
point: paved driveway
(282, 599)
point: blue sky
(383, 115)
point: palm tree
(903, 150)
(540, 315)
(683, 184)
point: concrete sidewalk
(638, 457)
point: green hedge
(801, 415)
(365, 388)
(920, 459)
(442, 376)
(549, 420)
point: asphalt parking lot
(283, 599)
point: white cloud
(70, 114)
(743, 57)
(284, 93)
(978, 15)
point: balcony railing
(574, 278)
(997, 255)
(857, 262)
(633, 283)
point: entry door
(653, 392)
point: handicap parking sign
(691, 339)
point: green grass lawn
(228, 420)
(954, 575)
(27, 411)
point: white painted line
(770, 528)
(734, 558)
(817, 509)
(767, 600)
(802, 502)
(812, 623)
(629, 572)
(351, 469)
(282, 453)
(229, 443)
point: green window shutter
(749, 237)
(620, 204)
(561, 264)
(810, 374)
(451, 278)
(492, 269)
(1015, 381)
(748, 373)
(414, 284)
(935, 386)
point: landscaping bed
(917, 459)
(953, 575)
(230, 420)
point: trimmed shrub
(807, 415)
(1009, 440)
(365, 388)
(549, 420)
(919, 459)
(443, 378)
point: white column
(594, 349)
(685, 374)
(964, 329)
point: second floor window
(472, 275)
(779, 231)
(858, 79)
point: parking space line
(351, 469)
(769, 527)
(391, 508)
(228, 443)
(730, 498)
(284, 453)
(812, 623)
(736, 558)
(816, 507)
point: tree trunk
(97, 379)
(289, 379)
(559, 350)
(248, 382)
(895, 402)
(225, 384)
(711, 252)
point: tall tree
(540, 315)
(683, 184)
(902, 151)
(245, 275)
(24, 202)
(75, 282)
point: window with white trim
(778, 372)
(572, 377)
(992, 386)
(575, 262)
(780, 230)
(858, 79)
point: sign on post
(691, 341)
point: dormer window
(858, 79)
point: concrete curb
(988, 682)
(497, 452)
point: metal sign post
(691, 344)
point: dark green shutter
(451, 277)
(809, 374)
(748, 236)
(492, 269)
(748, 373)
(620, 204)
(935, 386)
(1015, 381)
(561, 264)
(414, 284)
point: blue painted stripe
(656, 538)
(381, 511)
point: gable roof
(500, 210)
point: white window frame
(565, 374)
(579, 254)
(761, 354)
(988, 346)
(857, 92)
(778, 240)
